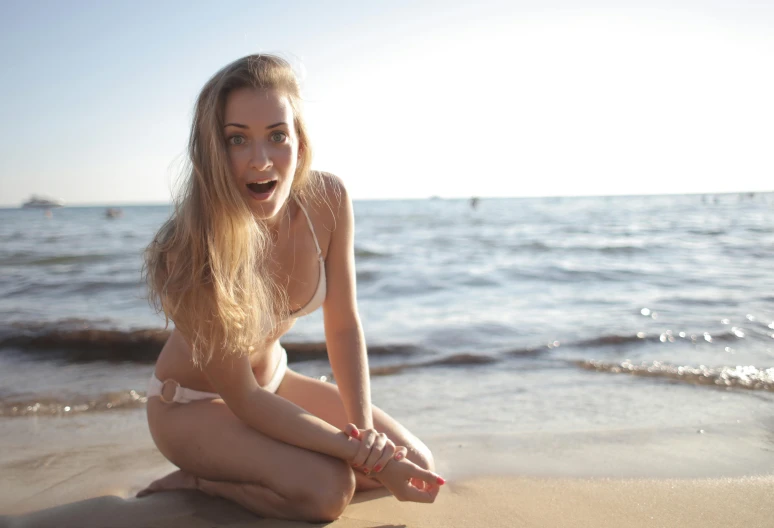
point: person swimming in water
(257, 240)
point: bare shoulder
(330, 201)
(333, 189)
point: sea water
(533, 315)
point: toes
(174, 481)
(150, 489)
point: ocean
(519, 316)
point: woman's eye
(278, 137)
(236, 140)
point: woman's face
(262, 146)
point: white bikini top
(319, 295)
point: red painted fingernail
(355, 433)
(440, 481)
(399, 456)
(377, 468)
(366, 471)
(355, 465)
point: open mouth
(262, 188)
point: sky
(403, 99)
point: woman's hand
(409, 482)
(376, 450)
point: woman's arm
(343, 331)
(276, 417)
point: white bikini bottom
(183, 395)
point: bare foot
(174, 481)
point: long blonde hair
(206, 268)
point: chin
(268, 209)
(264, 211)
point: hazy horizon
(421, 198)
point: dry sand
(628, 478)
(484, 501)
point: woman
(257, 240)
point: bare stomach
(175, 362)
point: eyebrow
(239, 125)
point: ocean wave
(744, 377)
(461, 360)
(532, 351)
(79, 341)
(64, 285)
(560, 274)
(535, 246)
(361, 253)
(707, 231)
(696, 301)
(627, 340)
(89, 344)
(364, 276)
(44, 406)
(605, 249)
(26, 258)
(613, 339)
(98, 287)
(734, 334)
(456, 360)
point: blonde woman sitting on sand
(256, 241)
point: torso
(296, 266)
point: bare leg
(221, 456)
(258, 499)
(323, 400)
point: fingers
(428, 477)
(419, 484)
(408, 481)
(376, 453)
(352, 431)
(368, 438)
(414, 494)
(388, 452)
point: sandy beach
(634, 477)
(484, 501)
(511, 355)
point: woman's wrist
(351, 449)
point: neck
(280, 222)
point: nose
(259, 158)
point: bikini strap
(311, 228)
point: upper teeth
(261, 182)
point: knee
(421, 456)
(328, 496)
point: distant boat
(113, 212)
(38, 202)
